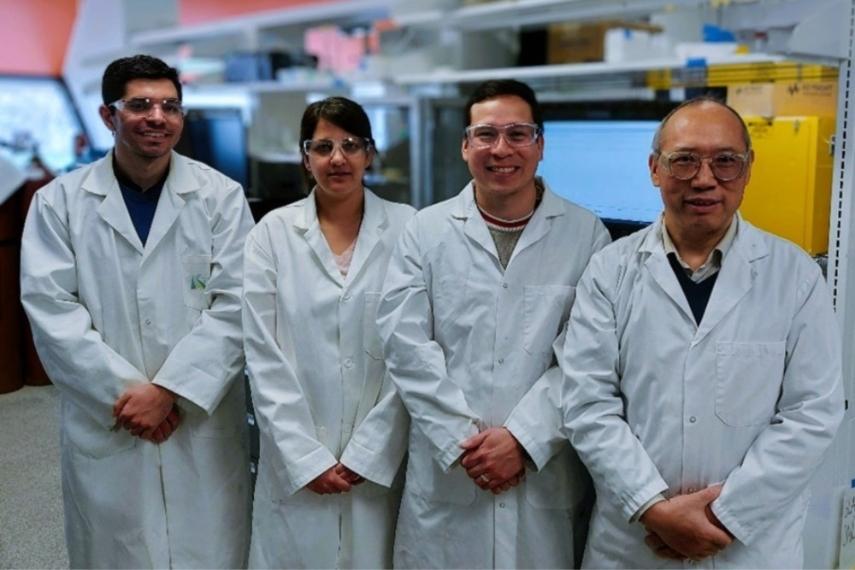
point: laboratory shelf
(571, 70)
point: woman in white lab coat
(333, 432)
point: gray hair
(657, 137)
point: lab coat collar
(310, 228)
(735, 278)
(102, 181)
(374, 222)
(538, 226)
(180, 181)
(659, 268)
(747, 242)
(466, 209)
(465, 206)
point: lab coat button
(501, 361)
(348, 362)
(693, 419)
(505, 285)
(148, 322)
(346, 297)
(501, 505)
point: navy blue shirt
(697, 294)
(141, 205)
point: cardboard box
(580, 43)
(782, 99)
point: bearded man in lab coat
(476, 293)
(131, 278)
(702, 369)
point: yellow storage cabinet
(790, 189)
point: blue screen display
(602, 166)
(217, 137)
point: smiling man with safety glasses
(476, 293)
(131, 278)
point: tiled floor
(31, 534)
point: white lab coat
(316, 371)
(107, 313)
(654, 403)
(465, 341)
(11, 178)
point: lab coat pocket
(196, 270)
(370, 336)
(748, 379)
(546, 309)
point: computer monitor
(217, 137)
(602, 165)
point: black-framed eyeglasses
(323, 148)
(144, 106)
(725, 166)
(517, 135)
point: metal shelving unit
(570, 70)
(521, 13)
(350, 12)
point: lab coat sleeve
(75, 356)
(536, 420)
(415, 360)
(779, 464)
(379, 444)
(202, 365)
(590, 396)
(280, 404)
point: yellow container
(789, 193)
(768, 72)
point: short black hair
(656, 145)
(125, 69)
(341, 112)
(504, 87)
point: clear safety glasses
(143, 107)
(323, 148)
(516, 135)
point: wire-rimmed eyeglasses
(725, 166)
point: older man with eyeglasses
(477, 291)
(702, 369)
(131, 278)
